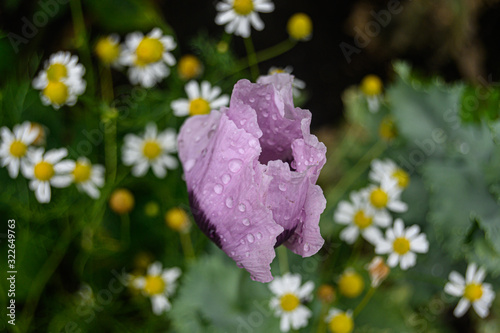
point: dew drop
(306, 247)
(252, 143)
(282, 187)
(242, 207)
(189, 164)
(210, 133)
(204, 152)
(265, 114)
(274, 117)
(226, 178)
(246, 222)
(251, 100)
(247, 254)
(229, 202)
(218, 188)
(233, 253)
(242, 122)
(259, 235)
(235, 165)
(268, 97)
(250, 238)
(197, 139)
(241, 151)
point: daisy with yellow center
(287, 301)
(148, 57)
(386, 195)
(61, 81)
(472, 290)
(381, 169)
(402, 245)
(14, 146)
(108, 50)
(371, 86)
(299, 27)
(202, 98)
(378, 271)
(339, 321)
(360, 218)
(239, 16)
(87, 177)
(297, 85)
(152, 150)
(158, 284)
(46, 170)
(189, 67)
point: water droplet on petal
(241, 151)
(252, 143)
(226, 178)
(218, 188)
(233, 253)
(282, 187)
(189, 164)
(259, 235)
(247, 254)
(250, 238)
(235, 165)
(306, 247)
(251, 100)
(246, 222)
(268, 97)
(210, 133)
(265, 114)
(274, 117)
(242, 207)
(229, 202)
(204, 152)
(197, 139)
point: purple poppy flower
(251, 172)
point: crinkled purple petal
(251, 171)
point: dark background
(457, 39)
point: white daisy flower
(153, 150)
(372, 87)
(15, 145)
(339, 321)
(148, 57)
(297, 85)
(287, 302)
(239, 16)
(202, 98)
(388, 169)
(360, 218)
(158, 285)
(401, 244)
(386, 195)
(87, 177)
(472, 290)
(44, 170)
(61, 81)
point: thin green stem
(363, 302)
(252, 58)
(283, 259)
(187, 246)
(322, 324)
(125, 230)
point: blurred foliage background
(450, 50)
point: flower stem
(187, 246)
(283, 259)
(363, 302)
(252, 58)
(322, 324)
(125, 230)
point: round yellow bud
(299, 26)
(152, 209)
(177, 220)
(107, 49)
(351, 284)
(326, 293)
(387, 129)
(121, 201)
(189, 67)
(371, 85)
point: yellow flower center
(18, 149)
(107, 50)
(149, 50)
(351, 284)
(379, 198)
(341, 323)
(361, 220)
(473, 291)
(56, 72)
(243, 7)
(387, 129)
(82, 172)
(154, 285)
(289, 302)
(371, 85)
(56, 92)
(299, 26)
(151, 149)
(177, 219)
(199, 106)
(189, 67)
(401, 245)
(402, 177)
(44, 171)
